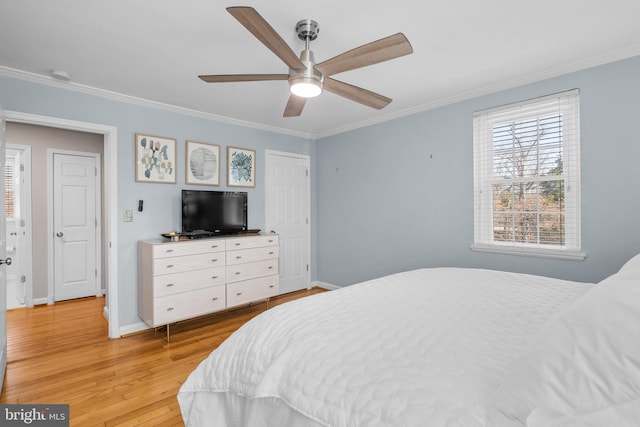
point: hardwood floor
(61, 354)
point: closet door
(287, 188)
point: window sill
(567, 255)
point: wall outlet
(128, 215)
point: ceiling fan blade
(357, 94)
(225, 78)
(294, 106)
(261, 29)
(372, 53)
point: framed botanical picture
(241, 167)
(155, 159)
(202, 163)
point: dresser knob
(239, 293)
(238, 244)
(214, 260)
(272, 286)
(170, 309)
(270, 241)
(237, 273)
(214, 277)
(238, 257)
(169, 285)
(270, 267)
(271, 253)
(214, 246)
(169, 251)
(214, 299)
(170, 266)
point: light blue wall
(161, 201)
(399, 195)
(389, 197)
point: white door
(287, 213)
(75, 225)
(3, 260)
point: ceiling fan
(306, 78)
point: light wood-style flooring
(61, 354)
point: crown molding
(595, 61)
(115, 96)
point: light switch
(128, 215)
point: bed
(432, 347)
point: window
(8, 188)
(527, 178)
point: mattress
(420, 348)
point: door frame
(51, 152)
(25, 205)
(268, 190)
(110, 199)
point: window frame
(566, 103)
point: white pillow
(585, 360)
(630, 270)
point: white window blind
(527, 177)
(8, 187)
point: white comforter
(421, 348)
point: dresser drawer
(187, 263)
(235, 273)
(251, 290)
(254, 254)
(251, 242)
(168, 284)
(172, 308)
(171, 249)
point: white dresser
(190, 278)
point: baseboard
(40, 301)
(133, 328)
(325, 285)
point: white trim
(115, 96)
(110, 201)
(133, 328)
(40, 301)
(287, 154)
(531, 252)
(522, 80)
(486, 90)
(325, 285)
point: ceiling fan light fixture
(306, 83)
(305, 87)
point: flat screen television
(210, 213)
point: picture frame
(202, 163)
(241, 167)
(155, 159)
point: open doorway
(18, 225)
(44, 143)
(108, 137)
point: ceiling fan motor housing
(307, 29)
(308, 76)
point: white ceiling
(154, 49)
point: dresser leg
(168, 337)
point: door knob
(5, 261)
(59, 234)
